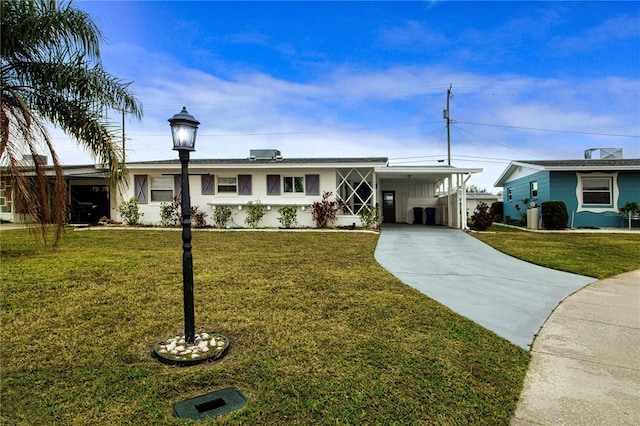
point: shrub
(324, 212)
(497, 208)
(198, 217)
(482, 218)
(255, 213)
(631, 208)
(130, 212)
(169, 215)
(554, 215)
(221, 216)
(288, 217)
(370, 216)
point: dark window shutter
(312, 183)
(177, 186)
(208, 185)
(140, 188)
(244, 184)
(273, 184)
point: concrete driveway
(510, 297)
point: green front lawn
(599, 255)
(319, 333)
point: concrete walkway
(510, 297)
(585, 362)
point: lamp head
(183, 130)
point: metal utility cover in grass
(212, 404)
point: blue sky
(530, 80)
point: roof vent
(265, 154)
(605, 153)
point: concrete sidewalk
(585, 362)
(510, 297)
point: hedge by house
(554, 214)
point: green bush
(255, 213)
(130, 212)
(482, 218)
(221, 216)
(554, 215)
(288, 216)
(497, 208)
(169, 214)
(370, 216)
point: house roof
(568, 166)
(263, 163)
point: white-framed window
(509, 194)
(533, 189)
(227, 184)
(161, 188)
(294, 184)
(597, 192)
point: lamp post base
(176, 351)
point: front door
(389, 206)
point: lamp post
(183, 130)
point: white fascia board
(427, 170)
(512, 168)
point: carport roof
(400, 172)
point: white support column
(449, 202)
(464, 200)
(458, 200)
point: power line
(550, 130)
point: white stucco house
(267, 176)
(274, 180)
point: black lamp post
(183, 129)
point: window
(533, 189)
(293, 185)
(207, 183)
(244, 184)
(312, 183)
(227, 184)
(596, 191)
(162, 188)
(273, 184)
(140, 188)
(509, 194)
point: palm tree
(51, 74)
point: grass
(598, 255)
(319, 332)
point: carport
(405, 191)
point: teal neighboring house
(593, 190)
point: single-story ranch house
(275, 181)
(593, 190)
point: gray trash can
(417, 215)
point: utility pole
(445, 115)
(123, 139)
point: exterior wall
(521, 194)
(473, 201)
(238, 202)
(410, 193)
(563, 186)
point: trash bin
(417, 215)
(430, 214)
